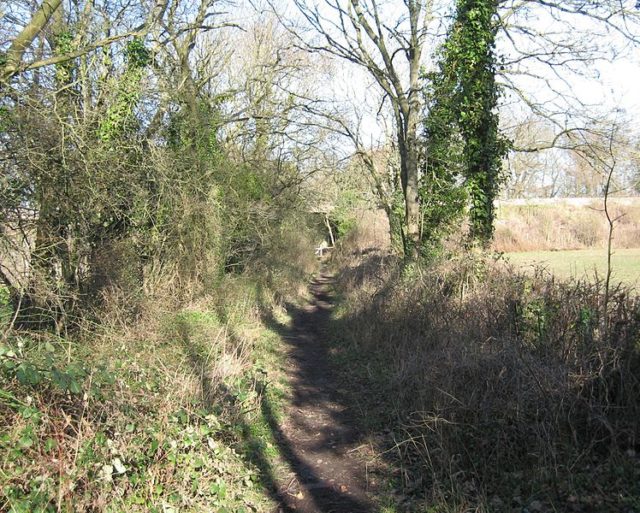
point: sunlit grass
(584, 263)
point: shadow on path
(317, 436)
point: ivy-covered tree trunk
(463, 137)
(484, 146)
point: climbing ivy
(64, 45)
(136, 54)
(464, 144)
(137, 58)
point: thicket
(143, 231)
(499, 390)
(87, 215)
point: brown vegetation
(500, 389)
(565, 224)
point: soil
(318, 436)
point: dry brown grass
(565, 224)
(370, 233)
(508, 387)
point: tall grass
(565, 225)
(500, 389)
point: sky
(620, 85)
(599, 86)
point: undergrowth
(494, 391)
(159, 415)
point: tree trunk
(407, 145)
(26, 37)
(327, 222)
(412, 201)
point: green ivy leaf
(74, 387)
(27, 374)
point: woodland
(251, 256)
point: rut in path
(317, 436)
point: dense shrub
(499, 381)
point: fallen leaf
(107, 471)
(118, 466)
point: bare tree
(549, 50)
(81, 45)
(543, 44)
(389, 42)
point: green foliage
(343, 216)
(136, 434)
(64, 45)
(64, 42)
(464, 145)
(39, 366)
(120, 114)
(5, 118)
(137, 54)
(6, 310)
(533, 318)
(345, 223)
(442, 203)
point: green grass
(584, 263)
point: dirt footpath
(318, 437)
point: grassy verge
(494, 391)
(161, 416)
(368, 394)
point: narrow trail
(318, 437)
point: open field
(583, 263)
